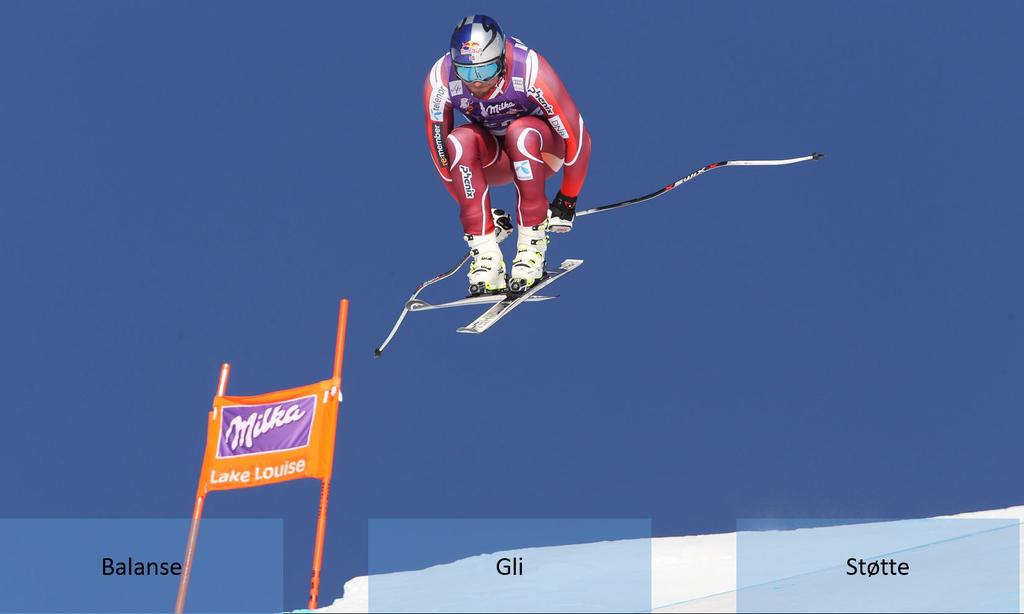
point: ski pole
(694, 174)
(405, 310)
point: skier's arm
(561, 112)
(437, 108)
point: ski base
(510, 302)
(486, 299)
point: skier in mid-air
(523, 127)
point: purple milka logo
(270, 427)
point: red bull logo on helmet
(472, 49)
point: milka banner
(270, 438)
(266, 439)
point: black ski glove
(563, 209)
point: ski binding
(510, 301)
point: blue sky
(182, 185)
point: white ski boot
(528, 265)
(487, 272)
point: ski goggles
(479, 72)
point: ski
(506, 305)
(421, 305)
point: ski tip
(377, 352)
(817, 156)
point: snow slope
(705, 563)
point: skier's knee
(464, 144)
(529, 121)
(525, 138)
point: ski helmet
(478, 48)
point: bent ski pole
(696, 173)
(405, 310)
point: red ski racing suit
(523, 131)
